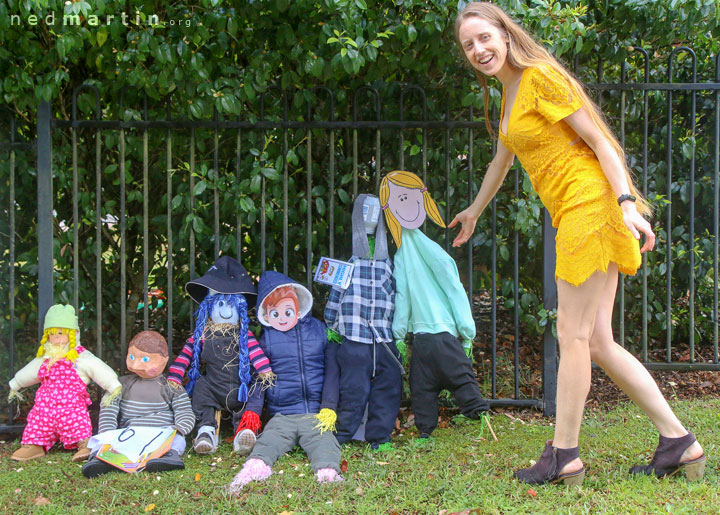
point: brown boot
(28, 452)
(82, 451)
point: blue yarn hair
(202, 315)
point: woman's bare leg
(577, 308)
(629, 374)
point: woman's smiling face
(484, 45)
(407, 205)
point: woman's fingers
(466, 231)
(649, 237)
(460, 239)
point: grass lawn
(459, 469)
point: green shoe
(383, 447)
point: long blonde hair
(71, 355)
(525, 52)
(406, 180)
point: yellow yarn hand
(326, 420)
(109, 397)
(15, 395)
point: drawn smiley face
(407, 205)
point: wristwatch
(626, 196)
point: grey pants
(283, 432)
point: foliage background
(232, 53)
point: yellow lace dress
(567, 176)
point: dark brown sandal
(546, 469)
(666, 461)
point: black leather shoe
(169, 461)
(95, 467)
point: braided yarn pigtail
(243, 354)
(201, 316)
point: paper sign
(334, 272)
(131, 448)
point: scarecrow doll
(302, 402)
(430, 303)
(64, 369)
(223, 343)
(362, 314)
(146, 401)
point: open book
(131, 448)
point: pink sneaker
(328, 476)
(253, 470)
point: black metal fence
(149, 214)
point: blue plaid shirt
(364, 311)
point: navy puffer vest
(298, 358)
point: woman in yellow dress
(578, 169)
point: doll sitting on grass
(218, 356)
(147, 400)
(302, 403)
(64, 369)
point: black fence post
(549, 303)
(45, 213)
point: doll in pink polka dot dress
(64, 369)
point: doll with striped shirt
(223, 347)
(147, 401)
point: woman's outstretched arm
(491, 183)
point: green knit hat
(61, 316)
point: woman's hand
(467, 219)
(637, 224)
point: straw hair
(71, 355)
(525, 52)
(407, 180)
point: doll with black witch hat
(223, 343)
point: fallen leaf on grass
(343, 466)
(532, 493)
(382, 462)
(41, 501)
(197, 477)
(149, 507)
(196, 496)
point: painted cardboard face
(407, 205)
(371, 213)
(144, 364)
(282, 316)
(223, 312)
